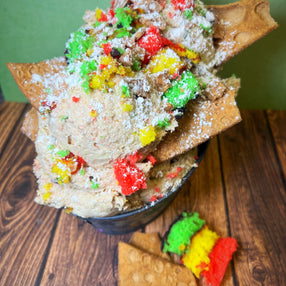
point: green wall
(33, 30)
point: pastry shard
(136, 267)
(240, 24)
(149, 242)
(203, 119)
(30, 125)
(32, 88)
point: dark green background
(34, 30)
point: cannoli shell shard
(30, 125)
(31, 86)
(240, 24)
(136, 267)
(149, 242)
(202, 120)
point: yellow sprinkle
(197, 258)
(68, 210)
(93, 113)
(46, 196)
(166, 59)
(195, 57)
(98, 13)
(182, 247)
(127, 107)
(63, 175)
(147, 135)
(47, 186)
(89, 52)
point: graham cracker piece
(136, 267)
(202, 120)
(28, 78)
(149, 242)
(30, 125)
(240, 24)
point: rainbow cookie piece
(201, 250)
(179, 236)
(219, 259)
(197, 255)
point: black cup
(136, 219)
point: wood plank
(9, 115)
(25, 227)
(256, 201)
(277, 122)
(202, 193)
(81, 255)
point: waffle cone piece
(237, 26)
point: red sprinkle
(183, 4)
(133, 159)
(129, 177)
(171, 15)
(152, 159)
(153, 199)
(102, 66)
(111, 13)
(157, 190)
(196, 157)
(174, 175)
(112, 4)
(103, 17)
(107, 48)
(49, 105)
(152, 41)
(75, 99)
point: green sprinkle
(125, 91)
(120, 33)
(79, 43)
(86, 70)
(94, 185)
(51, 147)
(183, 90)
(82, 172)
(136, 66)
(64, 117)
(85, 86)
(96, 24)
(121, 51)
(47, 90)
(163, 123)
(207, 30)
(63, 153)
(124, 16)
(188, 14)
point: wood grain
(25, 228)
(204, 194)
(277, 122)
(9, 116)
(239, 189)
(256, 201)
(80, 255)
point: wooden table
(239, 189)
